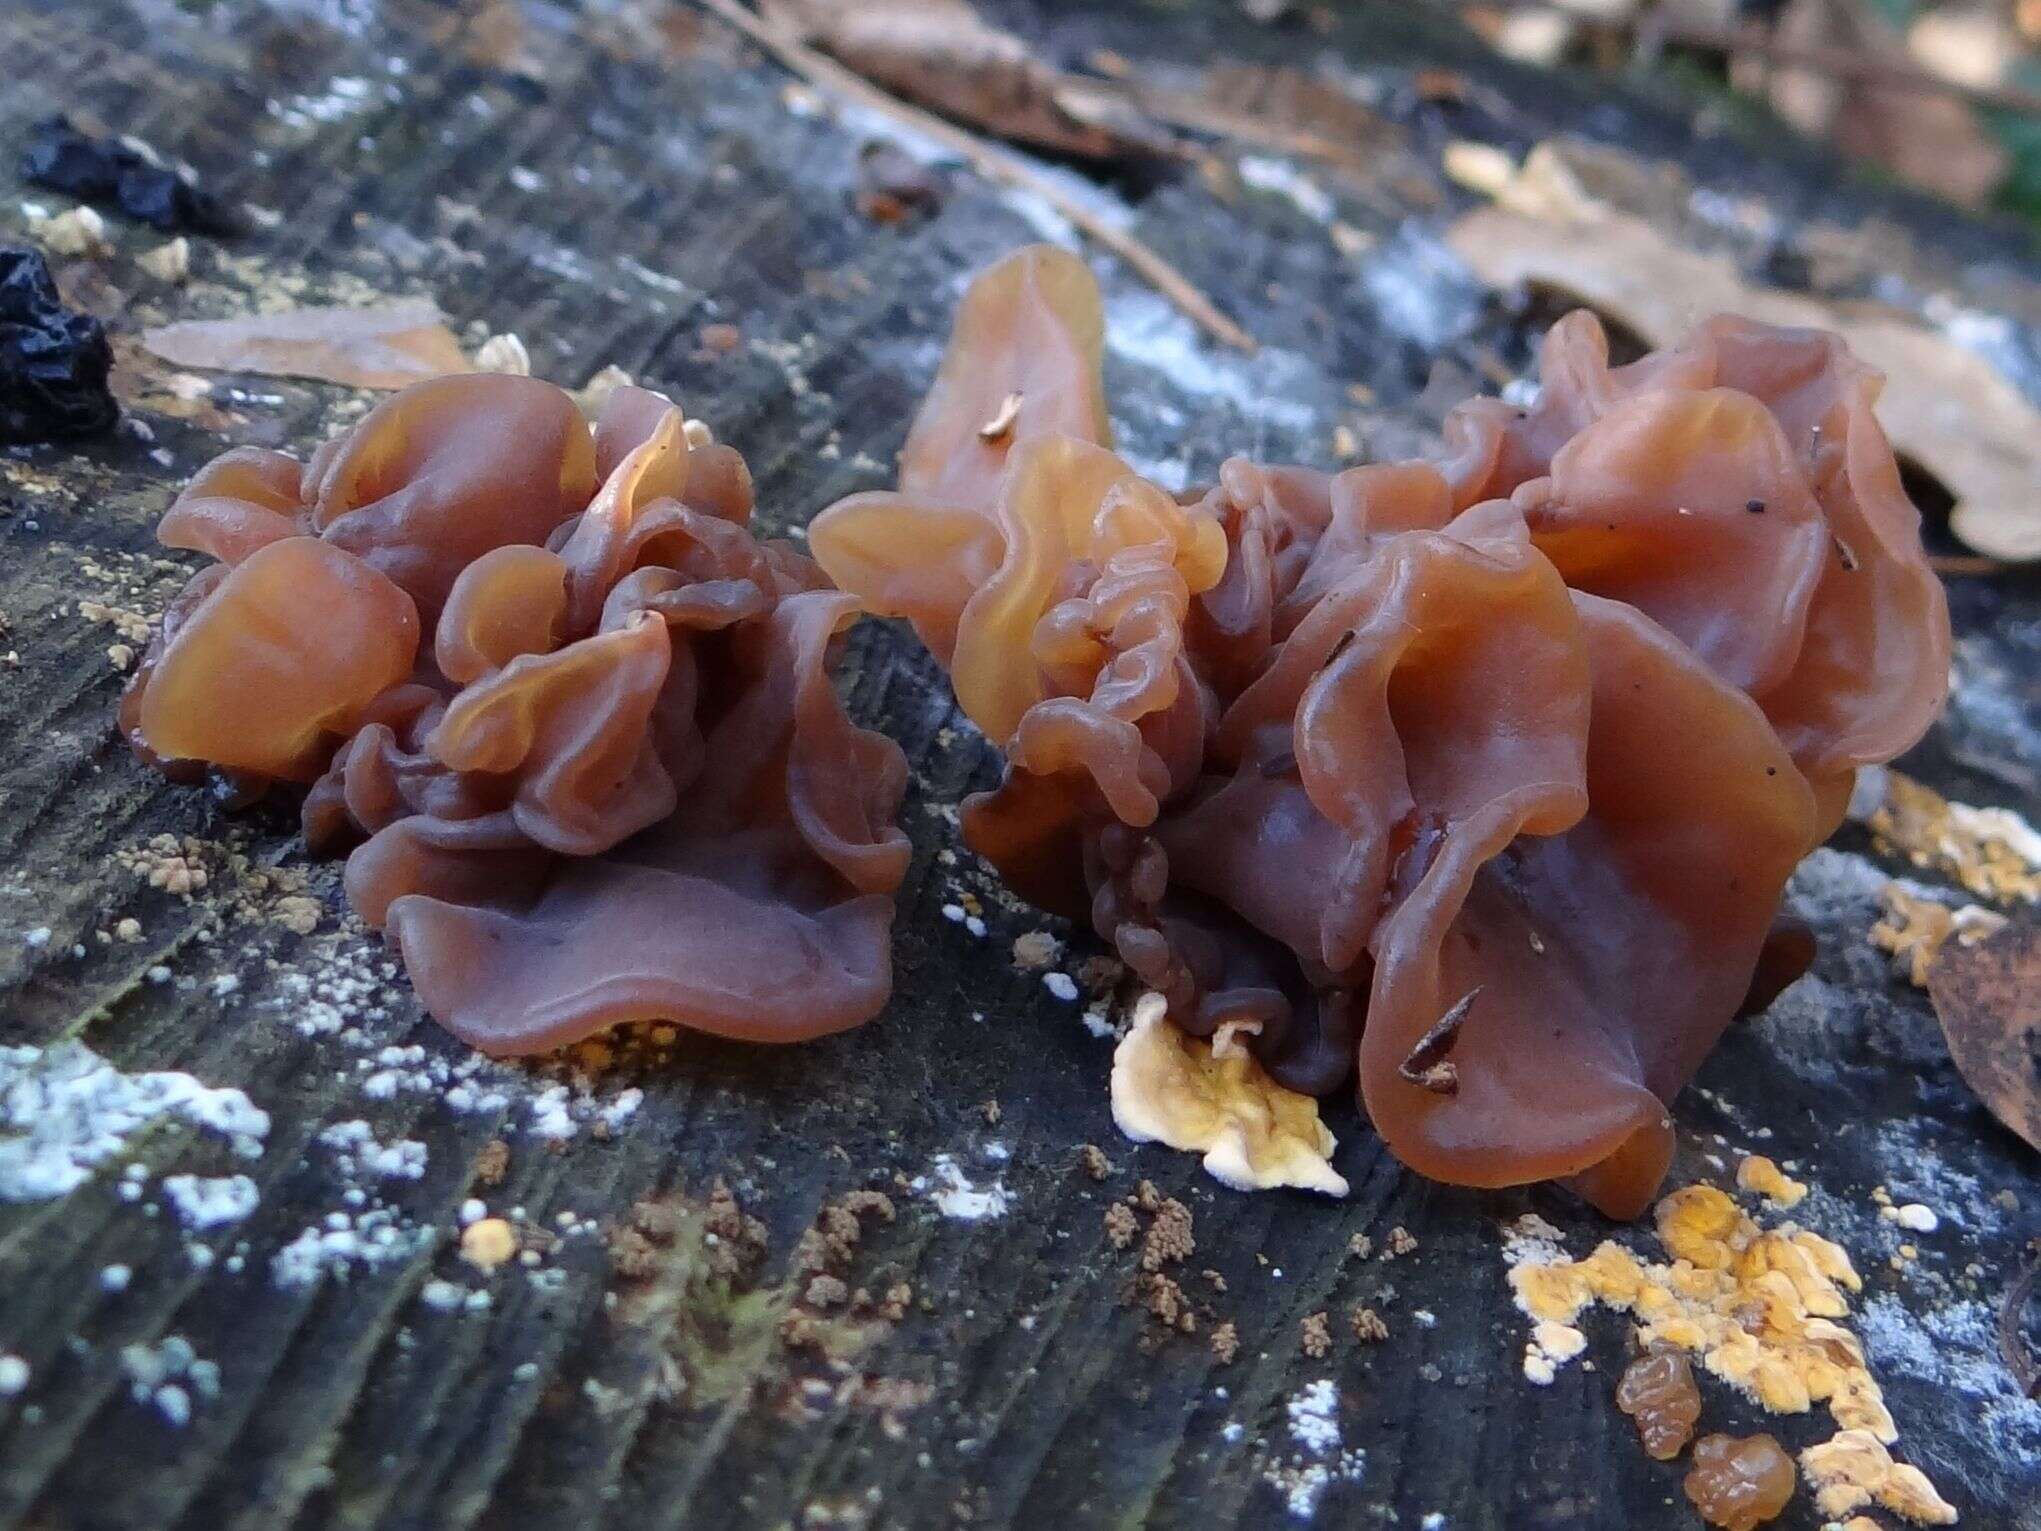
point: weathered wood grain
(604, 201)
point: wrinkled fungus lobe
(573, 718)
(1739, 1483)
(1657, 1391)
(1481, 774)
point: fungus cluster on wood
(1483, 773)
(573, 718)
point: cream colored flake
(1915, 1216)
(76, 231)
(169, 262)
(1478, 167)
(596, 394)
(1001, 424)
(1562, 1342)
(488, 1243)
(503, 353)
(1168, 1087)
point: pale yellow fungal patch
(1168, 1087)
(488, 1243)
(1914, 930)
(1993, 852)
(1759, 1174)
(1854, 1470)
(1762, 1309)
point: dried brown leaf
(1300, 102)
(1988, 997)
(1944, 407)
(2021, 1358)
(388, 347)
(1973, 46)
(944, 56)
(1934, 142)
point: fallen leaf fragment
(1932, 141)
(387, 347)
(994, 161)
(1944, 407)
(1988, 998)
(1289, 109)
(944, 56)
(1255, 1135)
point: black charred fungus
(53, 362)
(108, 173)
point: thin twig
(2012, 1313)
(990, 160)
(1957, 564)
(1847, 64)
(1226, 123)
(1837, 63)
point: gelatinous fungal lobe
(1023, 362)
(1739, 1483)
(1344, 769)
(1056, 583)
(610, 780)
(1438, 686)
(431, 479)
(1606, 958)
(1098, 629)
(1657, 1391)
(1022, 367)
(1738, 490)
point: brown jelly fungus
(572, 719)
(1528, 735)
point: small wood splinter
(2021, 1361)
(1001, 424)
(1427, 1064)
